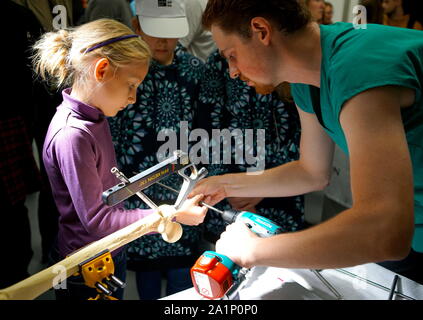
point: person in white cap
(162, 18)
(167, 96)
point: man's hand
(238, 243)
(213, 188)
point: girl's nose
(233, 72)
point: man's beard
(263, 89)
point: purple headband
(105, 43)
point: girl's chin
(114, 113)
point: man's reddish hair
(234, 16)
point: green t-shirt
(355, 60)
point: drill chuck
(261, 226)
(229, 216)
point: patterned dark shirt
(19, 174)
(18, 170)
(167, 96)
(231, 104)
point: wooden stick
(42, 281)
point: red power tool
(214, 275)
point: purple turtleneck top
(78, 154)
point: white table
(364, 282)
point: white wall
(350, 12)
(338, 9)
(343, 9)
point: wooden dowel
(42, 281)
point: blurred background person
(397, 13)
(198, 42)
(374, 11)
(19, 174)
(112, 9)
(43, 11)
(328, 14)
(316, 8)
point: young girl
(103, 63)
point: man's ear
(102, 66)
(262, 28)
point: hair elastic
(110, 41)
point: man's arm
(380, 165)
(310, 173)
(380, 224)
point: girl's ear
(102, 66)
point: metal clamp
(128, 187)
(189, 183)
(98, 273)
(140, 194)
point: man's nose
(132, 99)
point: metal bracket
(189, 183)
(128, 187)
(140, 194)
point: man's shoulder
(302, 96)
(376, 54)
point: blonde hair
(61, 57)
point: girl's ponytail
(51, 59)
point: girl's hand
(191, 213)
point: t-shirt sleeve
(302, 97)
(361, 65)
(77, 162)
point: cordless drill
(214, 274)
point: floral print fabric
(231, 104)
(167, 96)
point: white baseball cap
(162, 18)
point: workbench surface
(364, 282)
